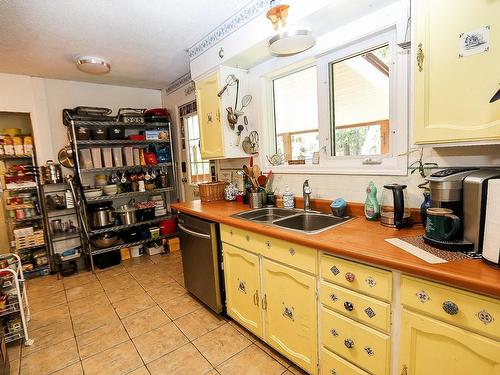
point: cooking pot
(105, 240)
(102, 216)
(52, 173)
(126, 214)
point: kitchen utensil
(65, 157)
(249, 173)
(245, 121)
(52, 173)
(105, 240)
(230, 81)
(394, 208)
(262, 180)
(255, 200)
(126, 214)
(238, 133)
(246, 145)
(245, 101)
(92, 193)
(101, 215)
(269, 178)
(232, 118)
(256, 171)
(254, 139)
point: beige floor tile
(40, 303)
(78, 280)
(45, 290)
(154, 281)
(221, 344)
(158, 342)
(50, 359)
(100, 339)
(14, 350)
(121, 281)
(129, 306)
(136, 262)
(273, 353)
(166, 292)
(185, 360)
(198, 323)
(110, 272)
(49, 316)
(75, 369)
(145, 321)
(87, 304)
(140, 371)
(120, 359)
(180, 306)
(83, 291)
(244, 331)
(94, 319)
(14, 366)
(251, 361)
(48, 335)
(130, 291)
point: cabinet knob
(333, 372)
(450, 307)
(348, 306)
(268, 244)
(349, 276)
(291, 251)
(404, 370)
(334, 332)
(349, 344)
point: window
(360, 103)
(199, 170)
(296, 114)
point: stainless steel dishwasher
(201, 260)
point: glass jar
(288, 199)
(230, 192)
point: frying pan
(65, 157)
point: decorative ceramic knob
(349, 343)
(450, 307)
(349, 276)
(348, 306)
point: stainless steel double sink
(309, 222)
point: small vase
(424, 206)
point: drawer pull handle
(256, 298)
(420, 57)
(335, 271)
(349, 276)
(288, 312)
(333, 297)
(242, 287)
(264, 302)
(450, 307)
(348, 306)
(349, 344)
(291, 251)
(404, 370)
(485, 317)
(268, 244)
(369, 351)
(334, 332)
(333, 372)
(247, 238)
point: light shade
(291, 42)
(92, 65)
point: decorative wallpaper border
(179, 82)
(249, 12)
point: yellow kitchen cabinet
(241, 275)
(430, 347)
(211, 134)
(219, 138)
(289, 303)
(456, 52)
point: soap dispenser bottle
(372, 207)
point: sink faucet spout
(306, 193)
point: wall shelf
(124, 168)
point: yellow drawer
(356, 306)
(458, 307)
(332, 364)
(365, 279)
(291, 254)
(241, 238)
(363, 346)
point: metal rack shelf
(78, 124)
(111, 169)
(14, 157)
(129, 195)
(21, 189)
(13, 336)
(11, 308)
(126, 226)
(31, 247)
(129, 244)
(26, 219)
(65, 236)
(94, 143)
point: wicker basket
(212, 191)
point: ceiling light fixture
(291, 42)
(92, 65)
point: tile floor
(137, 319)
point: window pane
(296, 113)
(360, 99)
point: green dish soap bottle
(372, 207)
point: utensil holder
(255, 200)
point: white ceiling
(145, 41)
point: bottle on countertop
(372, 207)
(288, 198)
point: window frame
(189, 163)
(393, 163)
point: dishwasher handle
(193, 233)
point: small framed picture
(474, 42)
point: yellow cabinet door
(430, 347)
(241, 276)
(453, 85)
(211, 134)
(289, 305)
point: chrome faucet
(306, 193)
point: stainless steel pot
(105, 240)
(126, 214)
(102, 216)
(52, 173)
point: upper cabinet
(219, 138)
(456, 70)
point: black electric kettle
(394, 208)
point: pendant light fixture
(92, 65)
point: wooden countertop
(361, 240)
